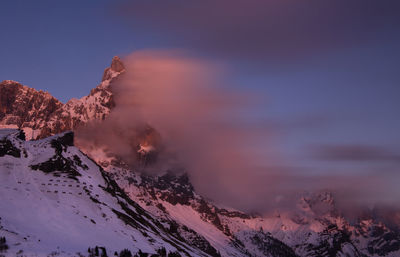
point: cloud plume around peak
(199, 124)
(184, 108)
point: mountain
(40, 115)
(314, 227)
(56, 201)
(165, 206)
(25, 107)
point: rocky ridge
(305, 231)
(41, 115)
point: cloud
(199, 128)
(196, 118)
(358, 153)
(181, 97)
(263, 31)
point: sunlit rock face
(22, 106)
(40, 115)
(117, 66)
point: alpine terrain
(59, 200)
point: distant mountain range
(58, 200)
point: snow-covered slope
(313, 228)
(55, 200)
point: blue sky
(329, 74)
(62, 47)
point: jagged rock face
(25, 107)
(116, 66)
(269, 245)
(41, 115)
(333, 242)
(77, 112)
(169, 187)
(313, 228)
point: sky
(327, 72)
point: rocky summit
(41, 115)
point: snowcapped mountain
(47, 181)
(40, 115)
(25, 107)
(305, 231)
(54, 200)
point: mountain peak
(41, 115)
(117, 66)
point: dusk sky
(327, 71)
